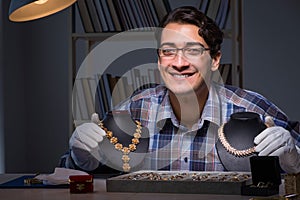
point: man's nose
(180, 60)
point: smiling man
(185, 65)
(183, 115)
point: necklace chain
(120, 147)
(229, 148)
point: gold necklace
(229, 148)
(118, 146)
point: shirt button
(186, 159)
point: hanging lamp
(26, 10)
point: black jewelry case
(266, 177)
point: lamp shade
(26, 10)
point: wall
(271, 51)
(36, 91)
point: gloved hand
(84, 144)
(277, 141)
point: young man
(184, 114)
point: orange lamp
(26, 10)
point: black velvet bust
(240, 131)
(123, 127)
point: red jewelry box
(81, 183)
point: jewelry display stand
(239, 132)
(123, 127)
(180, 182)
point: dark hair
(208, 29)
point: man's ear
(216, 62)
(158, 64)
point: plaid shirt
(174, 147)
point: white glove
(277, 141)
(84, 144)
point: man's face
(186, 70)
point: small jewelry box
(266, 177)
(81, 183)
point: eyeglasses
(188, 52)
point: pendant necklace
(118, 146)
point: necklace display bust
(126, 143)
(235, 145)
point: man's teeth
(181, 76)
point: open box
(266, 177)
